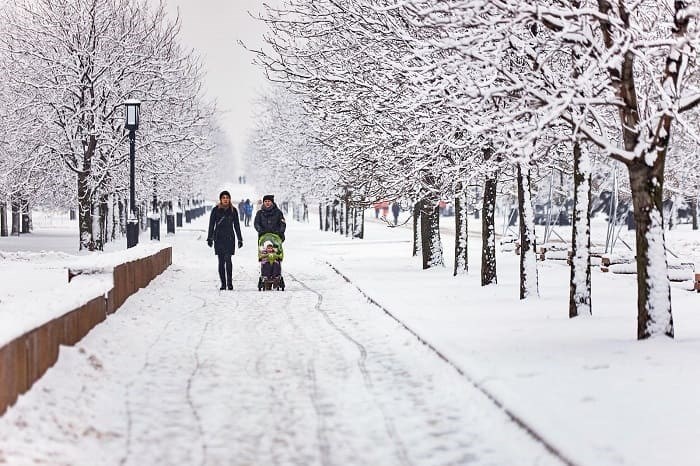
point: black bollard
(155, 228)
(170, 223)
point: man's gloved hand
(240, 244)
(210, 243)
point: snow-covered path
(184, 374)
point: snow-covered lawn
(588, 384)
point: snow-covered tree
(71, 64)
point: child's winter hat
(269, 197)
(267, 243)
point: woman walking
(222, 223)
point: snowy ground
(185, 374)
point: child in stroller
(270, 255)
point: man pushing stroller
(270, 225)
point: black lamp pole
(132, 170)
(132, 124)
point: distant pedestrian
(248, 212)
(224, 228)
(385, 209)
(395, 209)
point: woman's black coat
(270, 221)
(222, 223)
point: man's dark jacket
(270, 221)
(222, 223)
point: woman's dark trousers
(225, 269)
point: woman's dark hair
(224, 193)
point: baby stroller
(270, 255)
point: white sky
(213, 28)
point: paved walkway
(184, 374)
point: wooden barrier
(26, 358)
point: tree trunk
(669, 212)
(115, 218)
(359, 223)
(16, 217)
(461, 263)
(334, 220)
(528, 258)
(353, 226)
(100, 216)
(348, 211)
(87, 241)
(416, 228)
(341, 216)
(488, 231)
(122, 216)
(3, 218)
(328, 217)
(142, 216)
(97, 225)
(320, 216)
(580, 282)
(26, 216)
(694, 211)
(430, 234)
(653, 288)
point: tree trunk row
(20, 217)
(341, 217)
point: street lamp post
(132, 112)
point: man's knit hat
(269, 197)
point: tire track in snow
(314, 394)
(400, 448)
(193, 374)
(323, 442)
(147, 363)
(190, 402)
(520, 422)
(127, 397)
